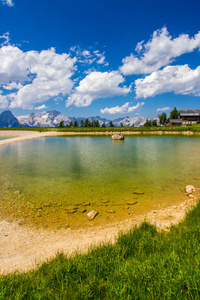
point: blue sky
(106, 58)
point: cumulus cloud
(163, 109)
(158, 52)
(41, 107)
(121, 109)
(38, 76)
(8, 2)
(98, 85)
(178, 79)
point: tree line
(86, 123)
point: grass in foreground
(142, 264)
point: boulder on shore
(117, 137)
(190, 189)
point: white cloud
(3, 101)
(178, 79)
(12, 85)
(116, 110)
(86, 53)
(138, 105)
(41, 107)
(101, 58)
(158, 52)
(87, 57)
(38, 76)
(121, 109)
(8, 2)
(6, 37)
(97, 85)
(163, 109)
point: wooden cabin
(190, 115)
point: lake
(53, 182)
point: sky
(108, 58)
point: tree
(75, 124)
(154, 123)
(82, 123)
(61, 124)
(163, 118)
(121, 125)
(103, 125)
(147, 123)
(174, 114)
(71, 124)
(96, 123)
(86, 123)
(111, 124)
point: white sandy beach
(23, 248)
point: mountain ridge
(52, 119)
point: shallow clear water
(4, 137)
(55, 181)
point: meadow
(188, 128)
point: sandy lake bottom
(54, 182)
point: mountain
(44, 119)
(128, 121)
(7, 119)
(53, 118)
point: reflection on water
(55, 181)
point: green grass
(142, 264)
(192, 128)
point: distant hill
(7, 119)
(53, 118)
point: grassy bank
(142, 264)
(190, 128)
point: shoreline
(21, 135)
(23, 248)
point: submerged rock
(92, 214)
(117, 137)
(138, 192)
(190, 189)
(131, 203)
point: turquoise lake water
(54, 181)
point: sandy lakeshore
(23, 248)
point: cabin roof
(190, 112)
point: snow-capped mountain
(53, 118)
(44, 119)
(128, 121)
